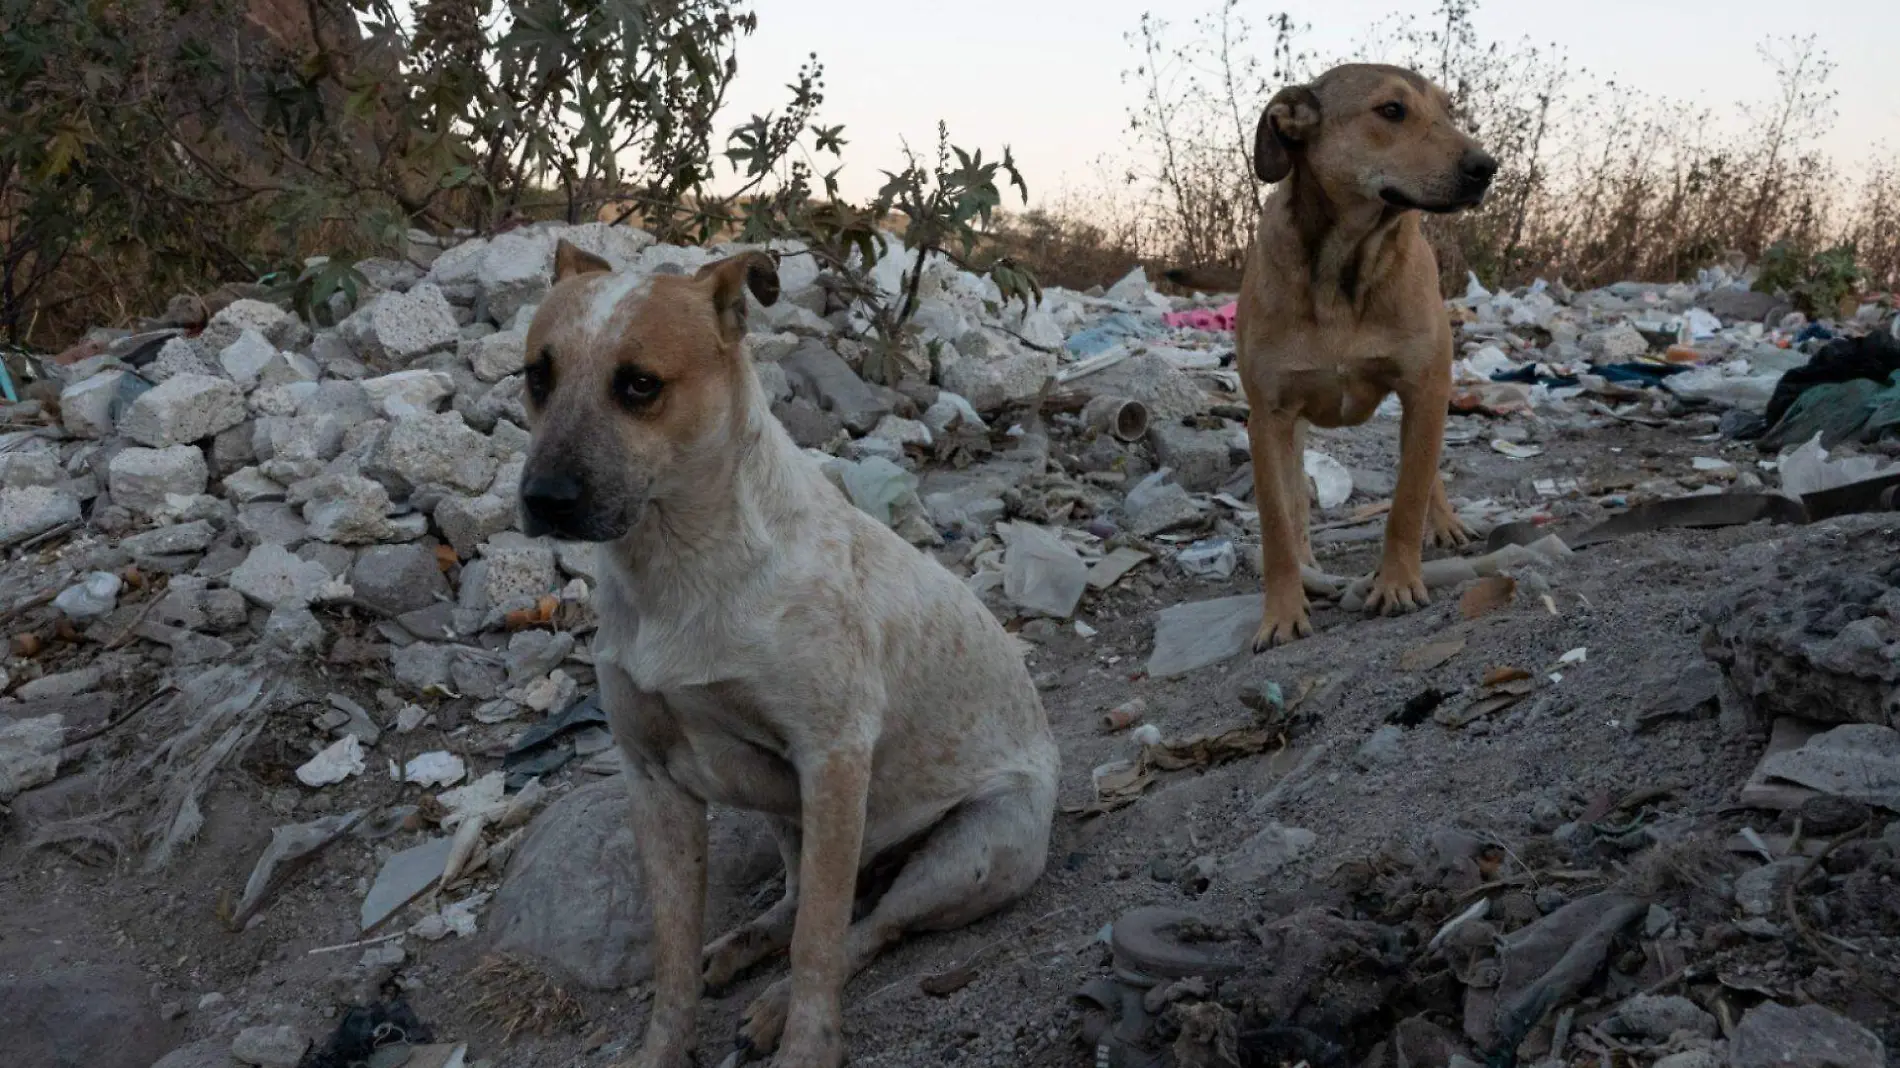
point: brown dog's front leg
(1274, 439)
(833, 793)
(1400, 585)
(670, 825)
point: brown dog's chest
(1328, 381)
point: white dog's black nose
(553, 499)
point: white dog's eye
(634, 387)
(1394, 112)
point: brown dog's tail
(1204, 279)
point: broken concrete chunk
(91, 408)
(1158, 504)
(403, 878)
(270, 322)
(408, 392)
(183, 409)
(497, 356)
(141, 479)
(432, 450)
(274, 577)
(29, 753)
(351, 510)
(1198, 458)
(33, 510)
(403, 326)
(991, 369)
(398, 578)
(1772, 1035)
(820, 375)
(466, 522)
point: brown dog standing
(1340, 306)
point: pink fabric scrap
(1204, 318)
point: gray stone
(1857, 761)
(274, 577)
(1616, 344)
(209, 1053)
(272, 523)
(179, 356)
(402, 877)
(403, 326)
(502, 402)
(1266, 852)
(516, 270)
(34, 510)
(63, 1016)
(408, 392)
(183, 409)
(63, 684)
(194, 537)
(91, 407)
(1772, 1035)
(245, 359)
(466, 522)
(534, 653)
(273, 324)
(350, 510)
(421, 665)
(398, 578)
(432, 451)
(29, 751)
(1742, 305)
(1158, 504)
(497, 356)
(1760, 891)
(248, 484)
(992, 369)
(573, 896)
(1149, 378)
(1384, 748)
(140, 479)
(1659, 1017)
(1200, 459)
(37, 468)
(279, 1046)
(810, 426)
(516, 568)
(820, 375)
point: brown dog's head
(1368, 131)
(634, 387)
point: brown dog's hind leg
(983, 855)
(1447, 530)
(1277, 464)
(767, 934)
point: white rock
(1329, 480)
(141, 479)
(179, 356)
(87, 408)
(515, 271)
(32, 510)
(273, 324)
(90, 599)
(245, 359)
(183, 409)
(432, 450)
(275, 577)
(29, 753)
(992, 370)
(497, 356)
(403, 326)
(466, 522)
(350, 510)
(19, 470)
(408, 392)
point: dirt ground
(1511, 779)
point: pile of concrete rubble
(225, 509)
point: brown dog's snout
(1477, 167)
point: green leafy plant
(1816, 284)
(309, 292)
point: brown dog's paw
(1393, 596)
(1448, 531)
(764, 1020)
(1279, 628)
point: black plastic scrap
(1701, 512)
(544, 748)
(365, 1029)
(1548, 962)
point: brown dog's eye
(635, 388)
(1393, 112)
(541, 377)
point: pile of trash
(232, 519)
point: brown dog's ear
(732, 277)
(1291, 118)
(570, 261)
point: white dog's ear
(570, 261)
(1290, 121)
(732, 278)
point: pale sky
(1044, 76)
